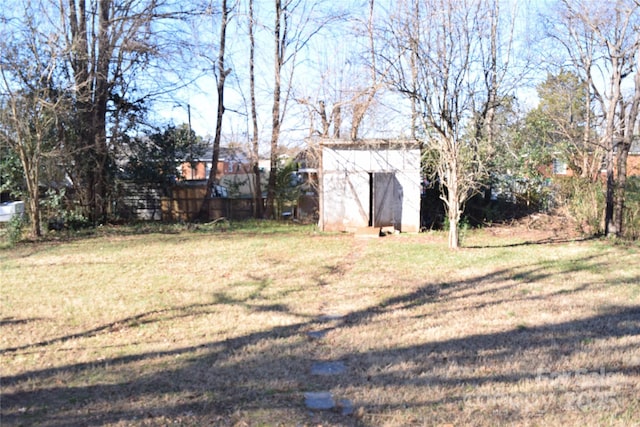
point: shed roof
(361, 144)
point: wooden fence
(185, 201)
(135, 201)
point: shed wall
(350, 189)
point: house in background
(233, 171)
(232, 161)
(560, 167)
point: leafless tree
(255, 139)
(363, 100)
(603, 42)
(221, 75)
(444, 58)
(280, 37)
(348, 83)
(30, 103)
(295, 24)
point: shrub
(14, 229)
(585, 201)
(631, 221)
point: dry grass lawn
(211, 328)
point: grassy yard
(210, 327)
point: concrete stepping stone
(328, 368)
(316, 335)
(330, 317)
(321, 400)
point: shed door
(356, 200)
(383, 199)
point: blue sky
(325, 52)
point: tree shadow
(6, 321)
(215, 383)
(137, 320)
(546, 241)
(153, 316)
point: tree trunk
(279, 39)
(360, 108)
(99, 125)
(452, 197)
(454, 235)
(91, 73)
(629, 121)
(492, 77)
(31, 166)
(212, 179)
(336, 113)
(255, 154)
(610, 227)
(453, 232)
(619, 196)
(322, 112)
(34, 215)
(453, 207)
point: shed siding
(347, 176)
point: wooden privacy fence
(138, 201)
(185, 201)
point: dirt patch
(540, 227)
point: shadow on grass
(545, 241)
(214, 383)
(137, 320)
(6, 321)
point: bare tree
(295, 24)
(281, 41)
(328, 115)
(439, 59)
(362, 102)
(348, 83)
(255, 148)
(221, 75)
(603, 42)
(30, 104)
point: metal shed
(369, 183)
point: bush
(14, 229)
(59, 216)
(68, 220)
(585, 201)
(631, 221)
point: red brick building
(232, 161)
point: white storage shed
(369, 183)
